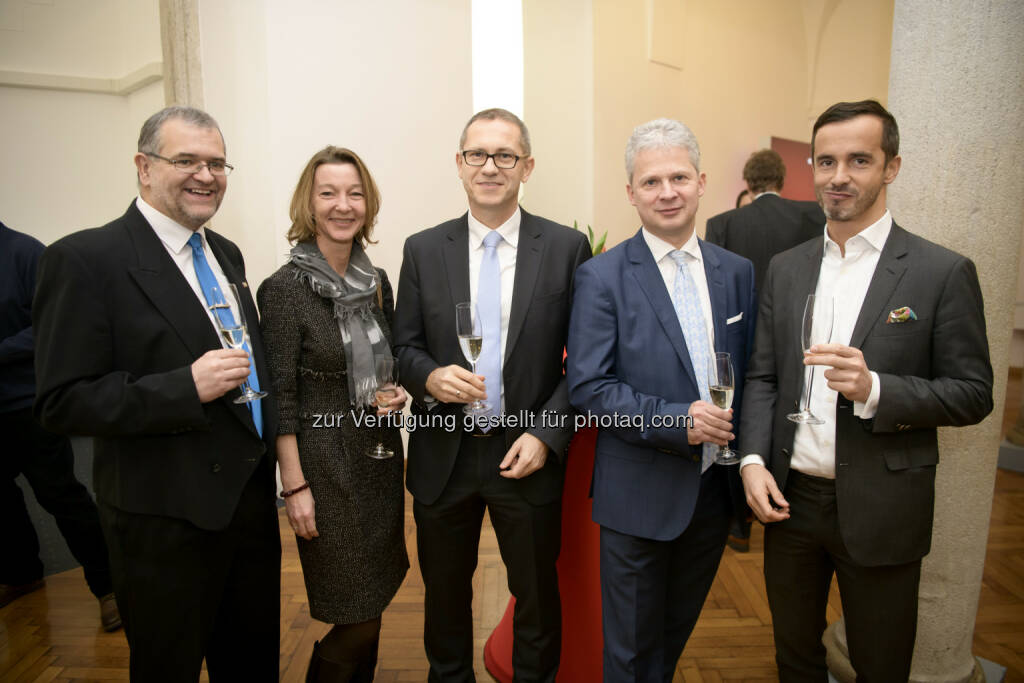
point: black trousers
(48, 464)
(529, 538)
(186, 593)
(879, 603)
(652, 591)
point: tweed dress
(355, 566)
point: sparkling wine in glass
(386, 373)
(234, 332)
(722, 386)
(817, 329)
(471, 341)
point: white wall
(68, 155)
(390, 80)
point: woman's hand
(397, 402)
(301, 516)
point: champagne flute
(817, 329)
(471, 341)
(234, 332)
(722, 386)
(386, 374)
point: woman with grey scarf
(326, 316)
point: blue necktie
(208, 282)
(686, 300)
(488, 306)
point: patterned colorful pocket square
(901, 315)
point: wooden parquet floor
(54, 634)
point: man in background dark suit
(515, 470)
(635, 354)
(128, 352)
(854, 496)
(767, 226)
(770, 224)
(46, 460)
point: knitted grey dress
(355, 566)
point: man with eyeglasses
(128, 351)
(517, 271)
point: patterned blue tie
(488, 306)
(208, 282)
(686, 300)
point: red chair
(579, 580)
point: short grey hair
(149, 136)
(499, 114)
(659, 134)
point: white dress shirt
(844, 278)
(175, 237)
(668, 268)
(507, 248)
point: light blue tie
(488, 306)
(208, 282)
(686, 300)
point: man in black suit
(128, 352)
(908, 353)
(770, 224)
(517, 269)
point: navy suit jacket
(627, 360)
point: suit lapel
(717, 294)
(649, 278)
(164, 285)
(886, 277)
(456, 261)
(529, 255)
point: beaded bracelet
(292, 492)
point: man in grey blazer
(908, 353)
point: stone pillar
(956, 87)
(179, 34)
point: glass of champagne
(471, 341)
(722, 387)
(234, 332)
(817, 329)
(386, 372)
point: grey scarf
(352, 296)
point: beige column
(956, 87)
(179, 34)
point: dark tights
(348, 653)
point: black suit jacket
(933, 371)
(765, 227)
(117, 329)
(435, 277)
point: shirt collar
(660, 248)
(171, 233)
(509, 230)
(871, 237)
(761, 194)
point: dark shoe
(740, 545)
(9, 594)
(109, 616)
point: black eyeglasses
(192, 166)
(478, 157)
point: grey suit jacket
(933, 371)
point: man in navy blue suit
(647, 318)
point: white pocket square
(735, 319)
